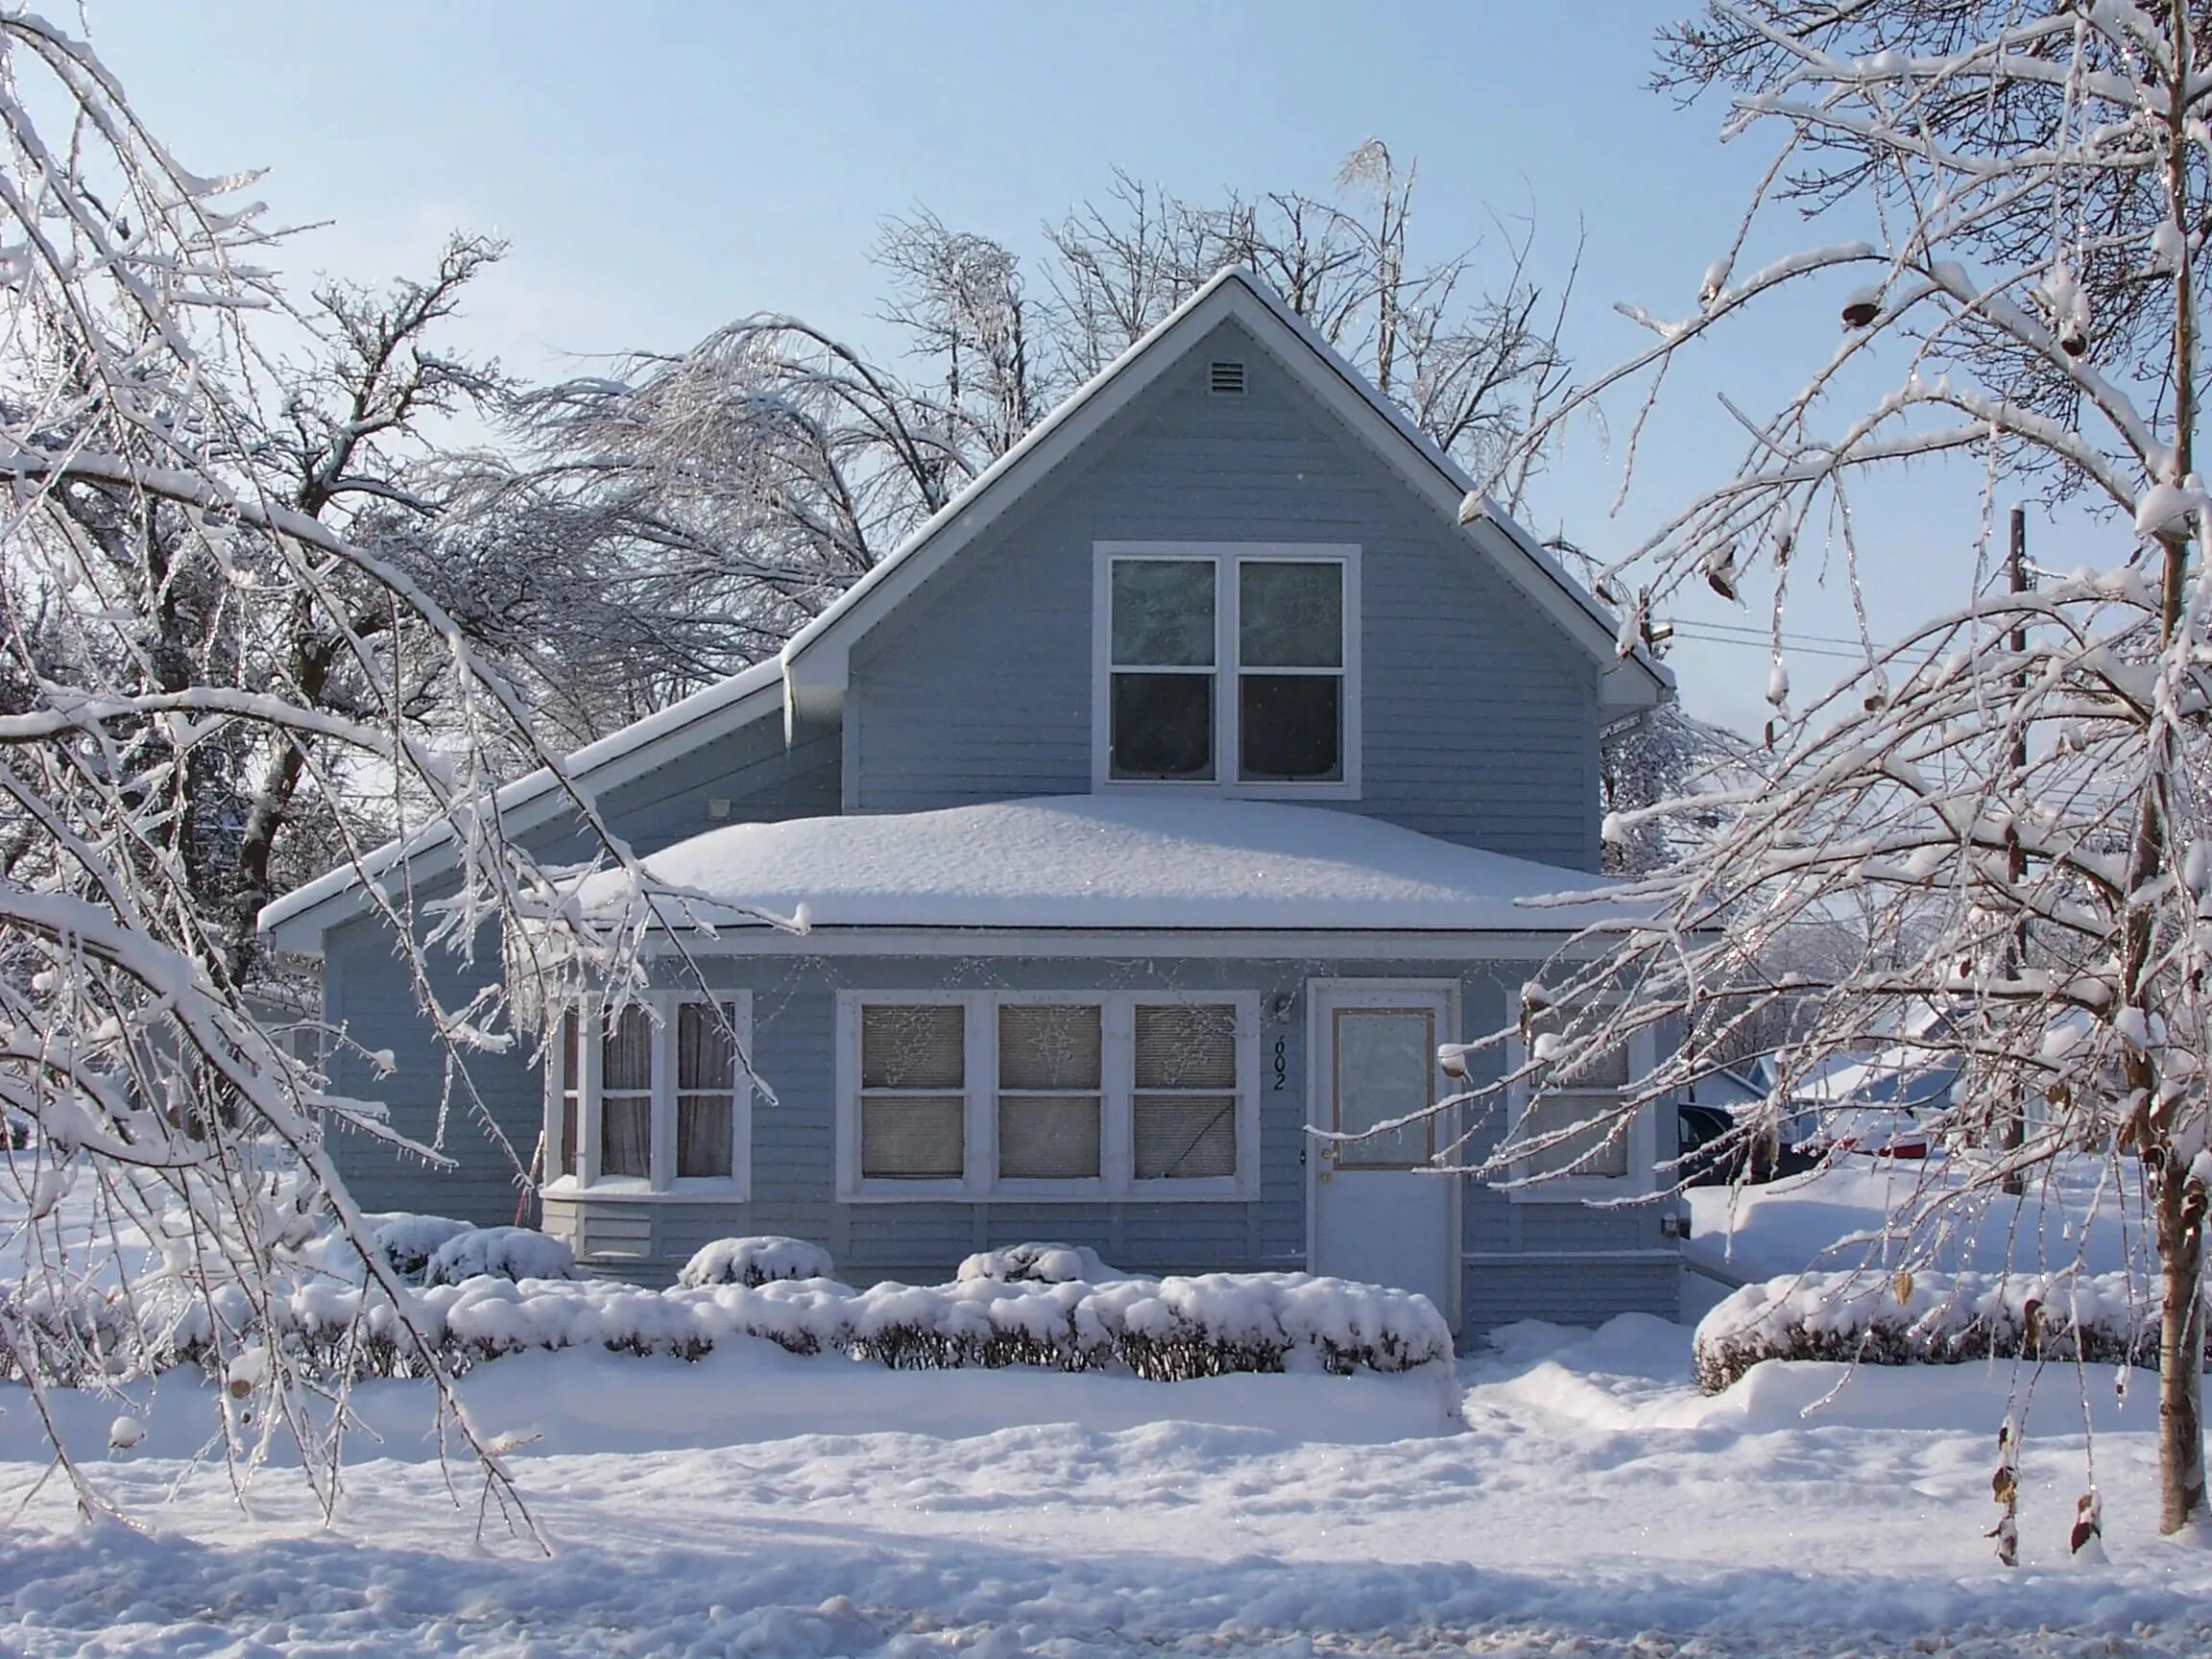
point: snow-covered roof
(298, 920)
(1912, 1072)
(815, 661)
(1119, 861)
(811, 669)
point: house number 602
(1282, 1063)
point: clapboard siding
(366, 989)
(1480, 717)
(1567, 1293)
(793, 1182)
(369, 991)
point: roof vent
(1224, 379)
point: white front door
(1377, 1213)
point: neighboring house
(1894, 1092)
(1728, 1087)
(1167, 795)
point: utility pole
(2014, 1129)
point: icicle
(1778, 684)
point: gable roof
(298, 921)
(807, 680)
(816, 662)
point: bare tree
(722, 495)
(2020, 193)
(1468, 347)
(206, 635)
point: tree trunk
(2180, 1354)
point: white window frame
(1642, 1151)
(1226, 557)
(662, 1183)
(980, 1181)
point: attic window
(1225, 379)
(1229, 665)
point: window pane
(1384, 1061)
(626, 1052)
(625, 1134)
(912, 1140)
(1184, 1137)
(1049, 1046)
(1291, 727)
(702, 1135)
(706, 1058)
(570, 1082)
(1162, 612)
(1586, 1150)
(1289, 616)
(913, 1045)
(1162, 726)
(1047, 1137)
(1183, 1046)
(1607, 1069)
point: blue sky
(660, 169)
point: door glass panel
(1162, 612)
(1384, 1066)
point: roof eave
(296, 922)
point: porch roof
(1104, 861)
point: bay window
(1063, 1094)
(650, 1097)
(1231, 666)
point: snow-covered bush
(1163, 1330)
(408, 1242)
(1927, 1319)
(502, 1253)
(755, 1260)
(1039, 1264)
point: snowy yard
(1593, 1501)
(1566, 1491)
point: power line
(1686, 631)
(1789, 636)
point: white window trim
(1226, 555)
(662, 1184)
(980, 1181)
(1640, 1178)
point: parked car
(1711, 1157)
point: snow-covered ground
(1841, 1217)
(1593, 1498)
(1567, 1492)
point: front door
(1378, 1212)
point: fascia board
(296, 922)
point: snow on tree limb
(2003, 818)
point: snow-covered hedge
(1928, 1319)
(407, 1242)
(1161, 1328)
(1039, 1264)
(755, 1261)
(502, 1252)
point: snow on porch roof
(1121, 861)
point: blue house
(1167, 796)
